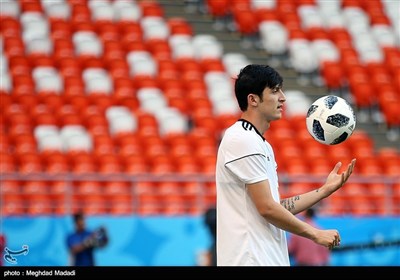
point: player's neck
(260, 124)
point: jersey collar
(249, 126)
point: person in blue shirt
(79, 243)
(210, 219)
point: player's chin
(278, 115)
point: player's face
(272, 104)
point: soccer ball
(330, 120)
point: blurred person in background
(252, 219)
(82, 242)
(2, 247)
(306, 252)
(210, 219)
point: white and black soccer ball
(330, 120)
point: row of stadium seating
(116, 91)
(72, 148)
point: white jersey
(244, 237)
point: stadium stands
(114, 108)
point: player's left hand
(336, 180)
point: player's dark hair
(254, 78)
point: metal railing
(185, 194)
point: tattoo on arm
(289, 203)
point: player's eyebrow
(277, 87)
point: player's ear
(252, 99)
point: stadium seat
(42, 115)
(97, 126)
(13, 205)
(151, 99)
(117, 187)
(52, 100)
(166, 188)
(88, 187)
(151, 9)
(148, 204)
(391, 167)
(31, 6)
(155, 147)
(29, 162)
(23, 142)
(39, 204)
(355, 190)
(76, 138)
(171, 120)
(120, 120)
(101, 11)
(162, 165)
(270, 29)
(207, 47)
(377, 196)
(33, 187)
(10, 187)
(333, 75)
(14, 46)
(144, 188)
(320, 166)
(361, 206)
(128, 144)
(57, 159)
(187, 164)
(5, 145)
(174, 205)
(392, 118)
(154, 27)
(302, 57)
(179, 25)
(125, 11)
(121, 205)
(217, 8)
(233, 62)
(57, 11)
(50, 143)
(370, 167)
(246, 23)
(93, 204)
(297, 103)
(10, 9)
(207, 164)
(81, 162)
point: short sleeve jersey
(244, 237)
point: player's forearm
(301, 202)
(283, 219)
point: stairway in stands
(203, 23)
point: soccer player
(252, 220)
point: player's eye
(276, 89)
